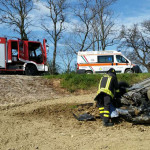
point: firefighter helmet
(111, 70)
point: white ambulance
(101, 61)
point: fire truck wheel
(129, 71)
(89, 72)
(31, 70)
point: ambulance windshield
(121, 59)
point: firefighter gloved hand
(117, 95)
(96, 98)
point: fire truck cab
(101, 61)
(23, 56)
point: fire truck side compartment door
(2, 55)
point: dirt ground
(36, 114)
(19, 89)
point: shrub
(73, 81)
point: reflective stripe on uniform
(106, 89)
(106, 112)
(106, 115)
(108, 82)
(99, 86)
(101, 108)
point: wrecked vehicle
(135, 103)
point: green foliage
(76, 81)
(73, 81)
(133, 78)
(73, 106)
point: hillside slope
(19, 89)
(42, 119)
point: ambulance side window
(121, 59)
(106, 59)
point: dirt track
(50, 125)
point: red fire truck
(23, 56)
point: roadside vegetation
(73, 82)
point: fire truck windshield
(35, 52)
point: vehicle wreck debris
(132, 104)
(136, 102)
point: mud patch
(63, 114)
(60, 110)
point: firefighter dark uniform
(107, 87)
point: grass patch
(73, 82)
(133, 78)
(73, 106)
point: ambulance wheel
(89, 72)
(31, 70)
(129, 71)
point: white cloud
(41, 11)
(128, 21)
(40, 6)
(135, 15)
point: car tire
(129, 71)
(89, 72)
(31, 70)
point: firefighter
(108, 86)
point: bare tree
(66, 57)
(146, 25)
(95, 34)
(15, 13)
(84, 12)
(95, 27)
(103, 24)
(137, 44)
(57, 18)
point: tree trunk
(98, 44)
(93, 44)
(148, 67)
(55, 49)
(54, 58)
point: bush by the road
(73, 82)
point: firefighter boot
(107, 123)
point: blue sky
(132, 11)
(127, 12)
